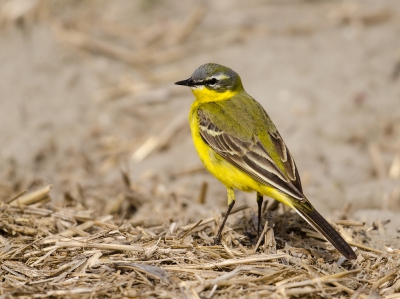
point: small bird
(240, 145)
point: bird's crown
(215, 77)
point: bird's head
(212, 78)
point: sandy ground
(74, 110)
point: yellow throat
(205, 95)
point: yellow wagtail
(239, 144)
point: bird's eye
(212, 81)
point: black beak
(187, 82)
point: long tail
(319, 223)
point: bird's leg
(260, 200)
(231, 203)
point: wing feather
(251, 157)
(287, 159)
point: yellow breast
(224, 171)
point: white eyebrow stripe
(220, 76)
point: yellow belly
(227, 173)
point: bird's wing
(252, 157)
(286, 158)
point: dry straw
(95, 257)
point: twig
(155, 142)
(203, 192)
(45, 256)
(357, 293)
(349, 223)
(101, 246)
(385, 278)
(68, 232)
(377, 161)
(81, 40)
(365, 247)
(33, 197)
(189, 171)
(394, 172)
(270, 243)
(233, 262)
(228, 251)
(114, 205)
(328, 278)
(190, 229)
(261, 236)
(15, 197)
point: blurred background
(88, 104)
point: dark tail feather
(324, 228)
